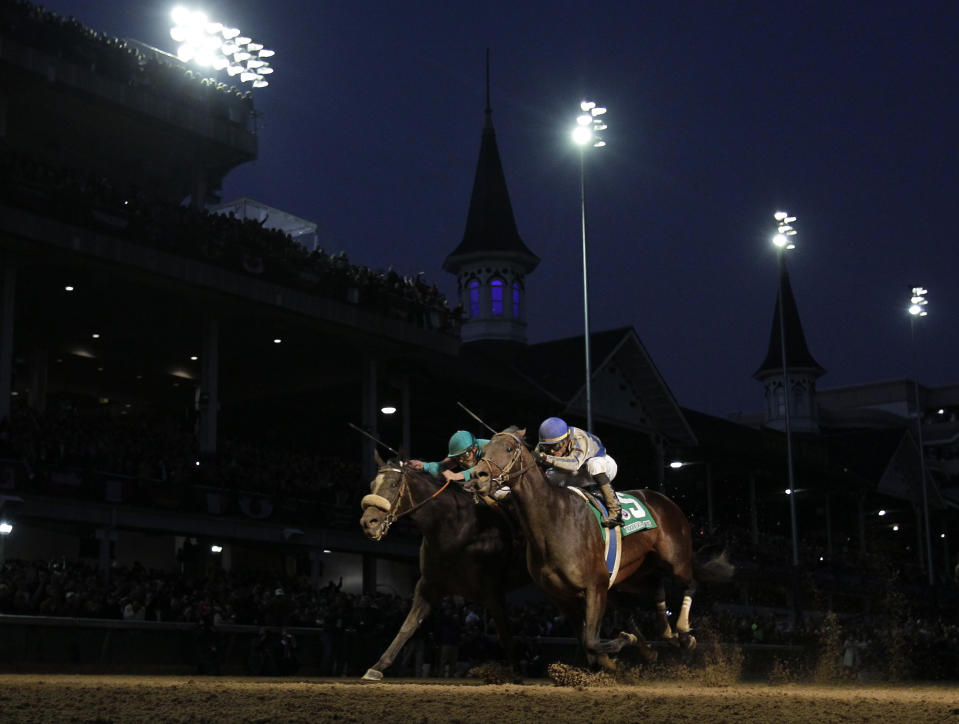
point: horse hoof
(630, 639)
(691, 644)
(372, 675)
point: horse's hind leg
(418, 611)
(686, 639)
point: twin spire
(491, 261)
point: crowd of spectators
(350, 631)
(240, 244)
(153, 459)
(67, 38)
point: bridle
(378, 501)
(506, 473)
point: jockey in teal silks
(465, 450)
(581, 454)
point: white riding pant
(594, 466)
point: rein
(378, 501)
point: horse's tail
(716, 569)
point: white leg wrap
(682, 623)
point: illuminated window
(516, 300)
(496, 296)
(474, 289)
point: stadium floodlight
(260, 83)
(213, 45)
(265, 70)
(247, 76)
(6, 528)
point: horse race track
(102, 699)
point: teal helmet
(461, 442)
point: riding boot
(615, 516)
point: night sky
(845, 114)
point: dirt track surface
(102, 699)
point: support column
(709, 499)
(828, 504)
(8, 284)
(209, 403)
(920, 539)
(198, 186)
(316, 567)
(862, 525)
(106, 536)
(753, 511)
(660, 464)
(368, 411)
(369, 574)
(405, 410)
(39, 374)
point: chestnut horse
(565, 549)
(469, 549)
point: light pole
(587, 133)
(783, 241)
(917, 308)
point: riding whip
(476, 417)
(378, 442)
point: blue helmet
(461, 442)
(553, 430)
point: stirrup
(613, 521)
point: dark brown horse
(565, 549)
(469, 549)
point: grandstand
(182, 377)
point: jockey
(464, 451)
(580, 453)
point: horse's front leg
(423, 599)
(597, 650)
(646, 651)
(497, 609)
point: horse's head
(505, 458)
(379, 507)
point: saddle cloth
(635, 517)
